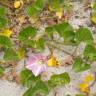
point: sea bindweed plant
(18, 35)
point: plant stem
(58, 47)
(6, 5)
(75, 50)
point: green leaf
(84, 35)
(66, 31)
(39, 87)
(2, 11)
(40, 44)
(90, 52)
(31, 11)
(80, 66)
(27, 35)
(60, 79)
(10, 55)
(3, 22)
(80, 95)
(27, 78)
(39, 4)
(1, 71)
(35, 8)
(55, 5)
(5, 41)
(50, 31)
(29, 43)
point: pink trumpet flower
(37, 64)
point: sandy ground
(13, 89)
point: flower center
(40, 62)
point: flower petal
(37, 70)
(37, 64)
(31, 60)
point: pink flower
(37, 64)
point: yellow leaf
(6, 32)
(84, 87)
(52, 62)
(18, 3)
(21, 53)
(59, 13)
(93, 17)
(88, 78)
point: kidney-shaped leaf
(80, 66)
(39, 87)
(54, 5)
(35, 8)
(10, 55)
(5, 41)
(64, 29)
(84, 35)
(60, 79)
(27, 34)
(90, 52)
(27, 78)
